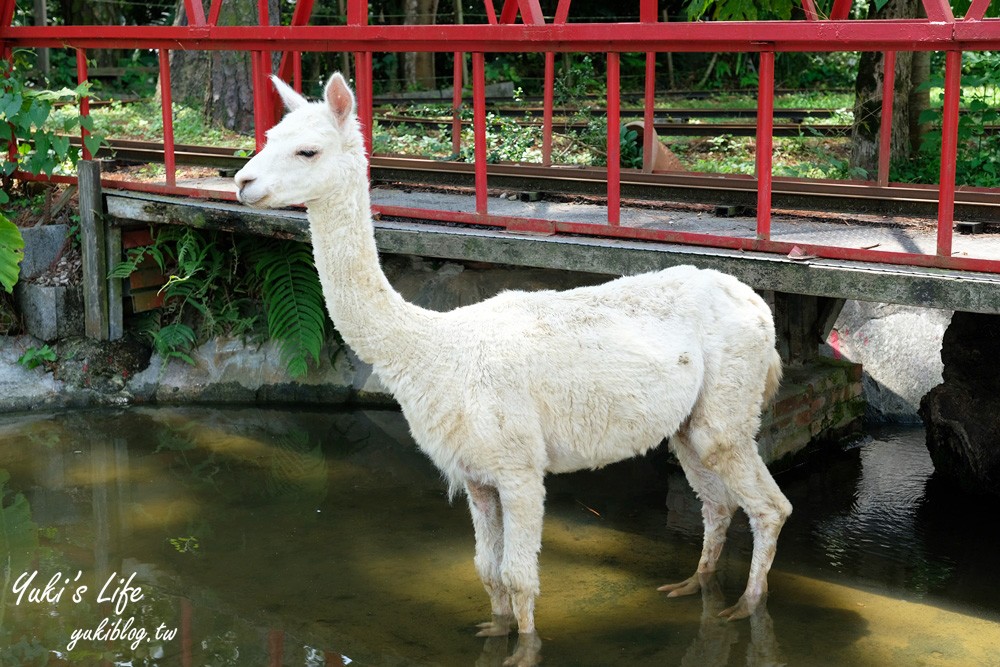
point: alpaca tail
(773, 377)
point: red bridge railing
(941, 31)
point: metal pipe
(949, 151)
(885, 127)
(456, 104)
(548, 102)
(764, 145)
(648, 111)
(710, 36)
(614, 140)
(479, 129)
(81, 78)
(167, 109)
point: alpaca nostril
(243, 181)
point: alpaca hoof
(689, 586)
(528, 652)
(742, 609)
(498, 627)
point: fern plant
(293, 300)
(216, 286)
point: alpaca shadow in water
(711, 647)
(527, 651)
(716, 636)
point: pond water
(196, 536)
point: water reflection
(289, 538)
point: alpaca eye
(307, 153)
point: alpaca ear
(288, 95)
(339, 98)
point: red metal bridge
(940, 31)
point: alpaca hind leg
(487, 522)
(523, 504)
(716, 510)
(749, 481)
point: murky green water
(251, 537)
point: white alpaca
(504, 391)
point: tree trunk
(418, 68)
(920, 98)
(219, 81)
(84, 12)
(868, 97)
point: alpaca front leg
(487, 522)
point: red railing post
(357, 14)
(548, 102)
(614, 139)
(548, 91)
(456, 104)
(262, 108)
(81, 78)
(949, 151)
(647, 14)
(885, 127)
(6, 55)
(479, 129)
(764, 146)
(167, 109)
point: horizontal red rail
(802, 36)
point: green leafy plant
(185, 545)
(293, 299)
(11, 253)
(34, 357)
(978, 162)
(42, 146)
(631, 149)
(218, 285)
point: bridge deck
(928, 287)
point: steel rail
(661, 115)
(662, 127)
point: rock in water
(962, 414)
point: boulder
(962, 414)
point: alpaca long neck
(379, 325)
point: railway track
(972, 204)
(665, 126)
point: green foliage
(293, 299)
(34, 357)
(577, 81)
(739, 10)
(631, 149)
(42, 144)
(11, 253)
(185, 545)
(216, 286)
(143, 120)
(978, 162)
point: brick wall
(820, 401)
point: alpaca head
(314, 153)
